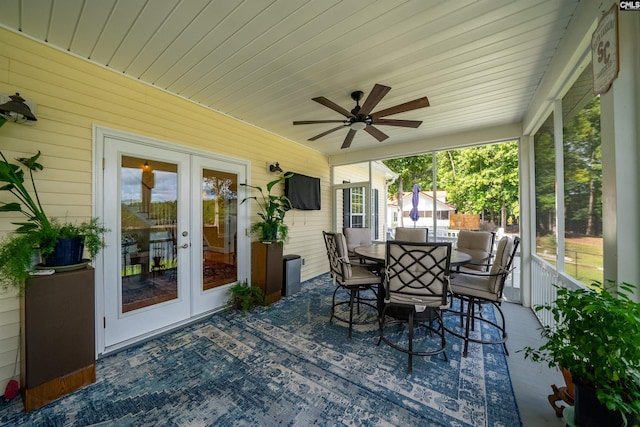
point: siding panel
(72, 95)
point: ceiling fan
(362, 118)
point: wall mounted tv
(303, 191)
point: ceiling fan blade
(377, 93)
(335, 107)
(401, 108)
(326, 133)
(311, 122)
(376, 133)
(348, 139)
(402, 123)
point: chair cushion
(361, 276)
(486, 286)
(406, 234)
(476, 286)
(422, 300)
(477, 244)
(503, 254)
(357, 237)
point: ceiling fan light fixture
(358, 125)
(363, 117)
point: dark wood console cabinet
(266, 269)
(58, 336)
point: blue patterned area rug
(284, 365)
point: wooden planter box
(266, 270)
(58, 336)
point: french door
(173, 248)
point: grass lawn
(583, 257)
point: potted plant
(272, 211)
(597, 338)
(58, 243)
(243, 296)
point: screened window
(582, 154)
(545, 183)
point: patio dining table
(378, 253)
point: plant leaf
(11, 207)
(31, 162)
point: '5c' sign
(604, 51)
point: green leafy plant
(38, 232)
(13, 176)
(272, 211)
(597, 338)
(243, 296)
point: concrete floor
(531, 381)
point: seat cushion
(501, 263)
(361, 276)
(475, 286)
(423, 300)
(478, 245)
(356, 237)
(406, 234)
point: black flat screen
(303, 191)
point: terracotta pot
(568, 382)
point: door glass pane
(219, 228)
(149, 195)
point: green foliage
(597, 338)
(583, 171)
(272, 211)
(243, 296)
(413, 170)
(478, 180)
(12, 175)
(38, 232)
(482, 180)
(17, 250)
(16, 259)
(545, 178)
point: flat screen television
(303, 191)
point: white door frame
(100, 134)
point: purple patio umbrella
(415, 198)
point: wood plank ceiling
(478, 62)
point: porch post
(527, 216)
(620, 132)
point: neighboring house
(398, 214)
(351, 201)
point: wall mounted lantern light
(14, 108)
(274, 167)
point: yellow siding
(72, 95)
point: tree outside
(484, 180)
(479, 180)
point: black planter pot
(589, 412)
(67, 252)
